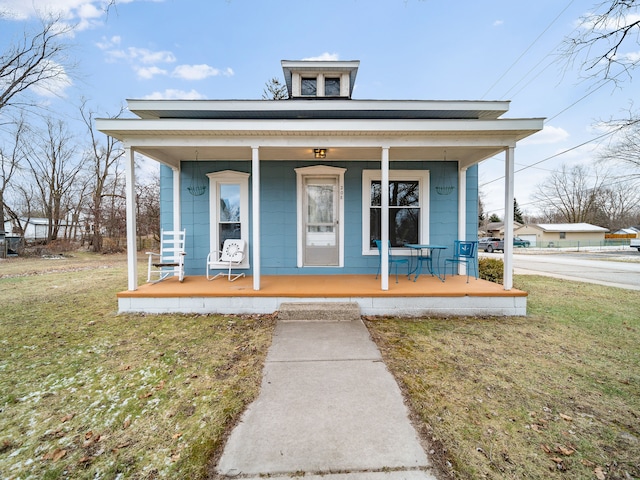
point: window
(229, 208)
(308, 86)
(332, 87)
(563, 235)
(408, 208)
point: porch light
(320, 152)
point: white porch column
(384, 223)
(462, 213)
(255, 207)
(509, 166)
(130, 194)
(177, 218)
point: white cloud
(143, 60)
(147, 73)
(498, 23)
(56, 85)
(149, 56)
(548, 135)
(108, 43)
(324, 56)
(174, 94)
(195, 72)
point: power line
(606, 134)
(526, 50)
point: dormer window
(320, 79)
(332, 87)
(309, 87)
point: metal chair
(170, 260)
(231, 255)
(464, 252)
(392, 260)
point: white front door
(321, 223)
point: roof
(318, 108)
(463, 131)
(570, 227)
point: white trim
(255, 207)
(176, 199)
(130, 193)
(462, 213)
(384, 218)
(319, 171)
(228, 177)
(423, 176)
(509, 167)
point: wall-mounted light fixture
(320, 152)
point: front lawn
(552, 395)
(88, 394)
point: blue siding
(278, 216)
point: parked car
(491, 244)
(635, 243)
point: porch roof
(468, 141)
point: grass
(552, 395)
(88, 394)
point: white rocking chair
(170, 260)
(231, 256)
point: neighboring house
(300, 179)
(629, 231)
(496, 229)
(557, 234)
(35, 229)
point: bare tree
(570, 194)
(35, 61)
(10, 158)
(50, 156)
(618, 204)
(275, 90)
(625, 148)
(606, 40)
(102, 160)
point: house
(36, 229)
(562, 234)
(300, 180)
(496, 229)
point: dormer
(314, 79)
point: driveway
(615, 268)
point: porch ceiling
(172, 155)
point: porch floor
(426, 296)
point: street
(614, 268)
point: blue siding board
(278, 216)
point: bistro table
(426, 253)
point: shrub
(491, 269)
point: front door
(320, 228)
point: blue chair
(463, 252)
(392, 260)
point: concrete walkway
(328, 409)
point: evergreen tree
(517, 213)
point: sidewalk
(328, 409)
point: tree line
(75, 182)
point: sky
(408, 49)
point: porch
(427, 296)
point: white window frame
(229, 177)
(422, 177)
(319, 171)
